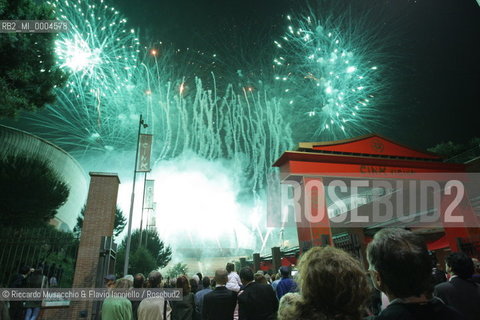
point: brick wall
(98, 221)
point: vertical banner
(152, 220)
(148, 202)
(145, 150)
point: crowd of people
(228, 295)
(26, 278)
(400, 283)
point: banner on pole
(148, 202)
(145, 150)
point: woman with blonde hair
(332, 285)
(118, 308)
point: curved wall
(15, 142)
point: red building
(347, 190)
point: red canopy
(438, 244)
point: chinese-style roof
(371, 149)
(368, 145)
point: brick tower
(98, 221)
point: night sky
(435, 52)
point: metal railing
(52, 250)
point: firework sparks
(100, 55)
(326, 73)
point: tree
(450, 149)
(30, 192)
(142, 261)
(118, 225)
(447, 149)
(176, 270)
(151, 242)
(28, 73)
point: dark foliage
(28, 73)
(118, 225)
(30, 192)
(152, 243)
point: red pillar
(459, 219)
(313, 225)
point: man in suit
(201, 294)
(220, 303)
(460, 292)
(257, 301)
(400, 267)
(138, 283)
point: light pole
(129, 235)
(143, 208)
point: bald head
(155, 279)
(221, 276)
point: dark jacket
(4, 311)
(463, 295)
(433, 310)
(185, 309)
(18, 281)
(35, 281)
(16, 307)
(257, 301)
(476, 278)
(219, 304)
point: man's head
(193, 285)
(476, 265)
(206, 282)
(24, 270)
(221, 277)
(260, 278)
(123, 283)
(196, 279)
(110, 280)
(460, 265)
(399, 263)
(230, 267)
(138, 280)
(246, 275)
(129, 277)
(200, 277)
(155, 279)
(184, 284)
(285, 272)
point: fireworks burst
(325, 71)
(328, 75)
(243, 126)
(98, 106)
(98, 48)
